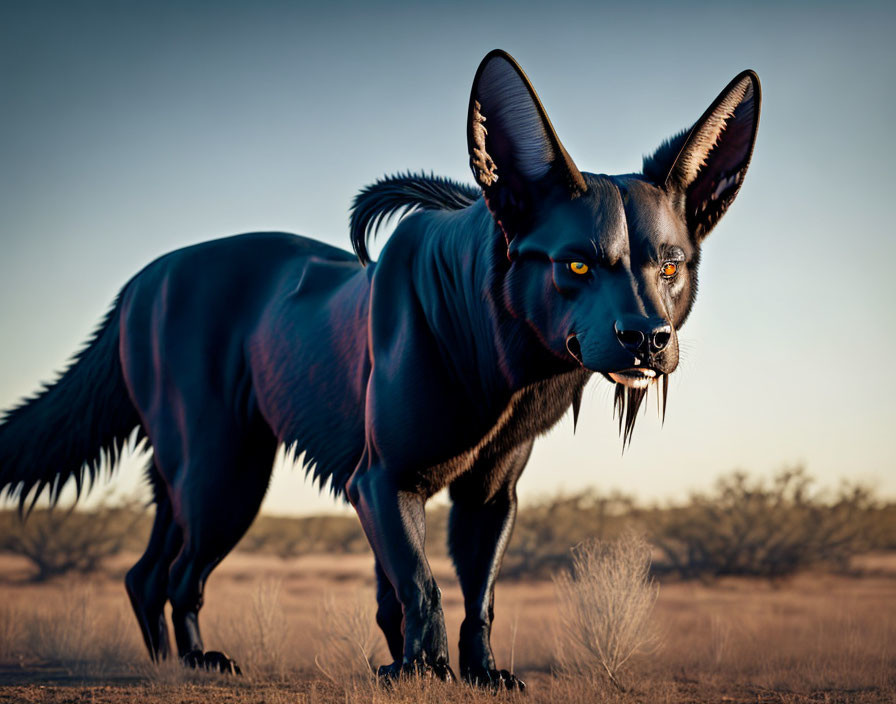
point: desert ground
(303, 631)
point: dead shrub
(57, 541)
(767, 529)
(606, 602)
(545, 531)
(293, 537)
(742, 526)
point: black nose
(643, 336)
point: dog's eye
(579, 268)
(669, 270)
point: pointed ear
(515, 154)
(707, 163)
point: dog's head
(604, 268)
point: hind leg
(147, 581)
(215, 499)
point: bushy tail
(67, 429)
(403, 194)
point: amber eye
(669, 269)
(579, 268)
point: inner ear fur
(515, 154)
(708, 162)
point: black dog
(436, 366)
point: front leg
(388, 615)
(394, 522)
(479, 529)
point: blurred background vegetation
(756, 527)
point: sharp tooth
(631, 381)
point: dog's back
(266, 324)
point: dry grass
(259, 632)
(606, 605)
(814, 638)
(70, 627)
(348, 639)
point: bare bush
(57, 541)
(292, 537)
(742, 526)
(545, 531)
(606, 603)
(765, 528)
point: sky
(130, 129)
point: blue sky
(129, 129)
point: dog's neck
(459, 270)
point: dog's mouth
(574, 348)
(637, 377)
(634, 377)
(631, 388)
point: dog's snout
(661, 337)
(644, 336)
(630, 339)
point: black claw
(193, 659)
(219, 662)
(446, 674)
(212, 660)
(388, 673)
(415, 668)
(495, 680)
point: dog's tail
(403, 194)
(70, 426)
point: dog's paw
(417, 668)
(495, 680)
(388, 673)
(212, 660)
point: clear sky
(129, 129)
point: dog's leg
(479, 528)
(393, 520)
(216, 493)
(147, 581)
(388, 614)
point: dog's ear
(515, 154)
(706, 164)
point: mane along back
(403, 194)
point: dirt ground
(301, 630)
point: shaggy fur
(72, 426)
